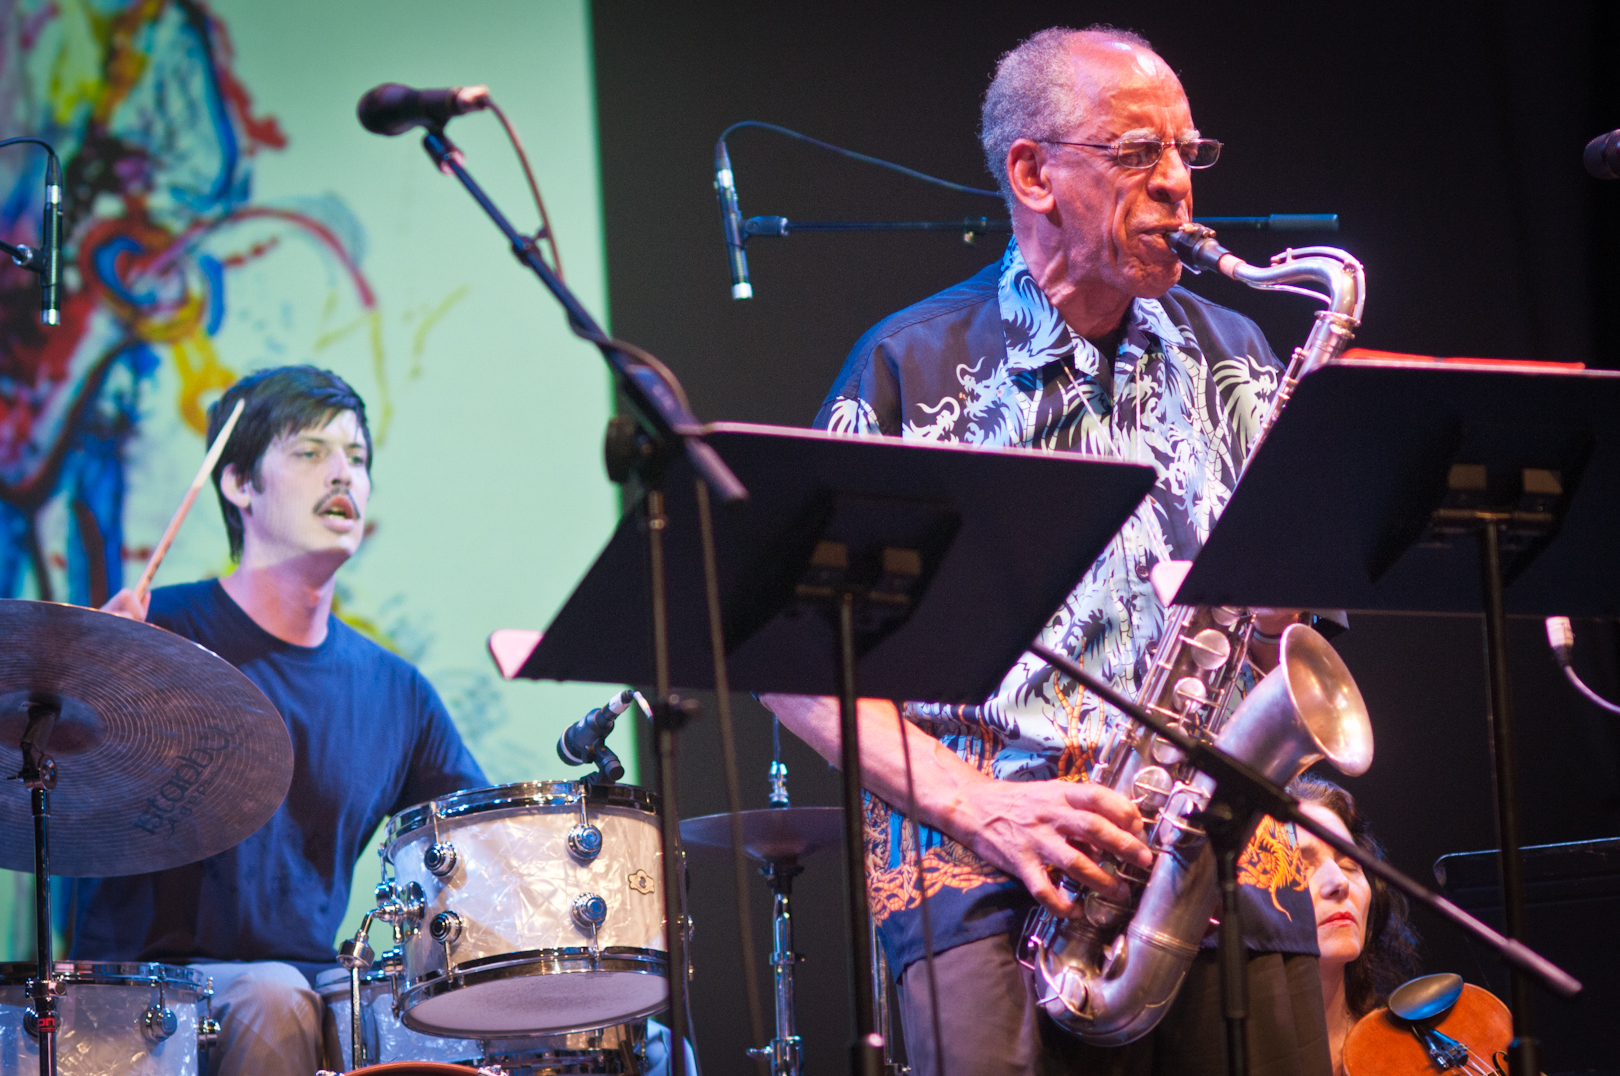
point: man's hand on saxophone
(1026, 828)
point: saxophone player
(1078, 339)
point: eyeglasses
(1145, 152)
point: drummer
(370, 736)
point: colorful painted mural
(158, 139)
(224, 211)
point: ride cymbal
(165, 753)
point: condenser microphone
(731, 220)
(1602, 156)
(50, 234)
(580, 742)
(392, 109)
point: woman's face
(1340, 892)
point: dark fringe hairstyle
(1389, 957)
(282, 400)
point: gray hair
(1033, 94)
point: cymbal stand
(38, 775)
(883, 991)
(785, 1051)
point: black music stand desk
(1434, 487)
(914, 571)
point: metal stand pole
(866, 1053)
(42, 990)
(784, 1052)
(667, 720)
(1522, 1053)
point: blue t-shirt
(370, 738)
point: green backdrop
(350, 251)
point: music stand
(1370, 483)
(915, 571)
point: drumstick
(203, 473)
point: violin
(1433, 1024)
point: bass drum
(536, 908)
(115, 1019)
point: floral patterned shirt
(992, 362)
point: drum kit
(527, 918)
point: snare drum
(139, 1019)
(384, 1037)
(529, 908)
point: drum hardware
(777, 838)
(590, 912)
(585, 842)
(158, 1022)
(439, 859)
(445, 927)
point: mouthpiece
(1198, 249)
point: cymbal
(774, 835)
(165, 753)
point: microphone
(731, 221)
(581, 743)
(50, 312)
(392, 109)
(1561, 639)
(1602, 156)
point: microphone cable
(1561, 637)
(534, 188)
(960, 188)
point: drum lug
(158, 1022)
(585, 842)
(439, 859)
(207, 1033)
(590, 912)
(445, 927)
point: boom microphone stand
(662, 422)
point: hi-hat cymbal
(774, 835)
(165, 753)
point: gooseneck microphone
(731, 220)
(1602, 156)
(392, 109)
(50, 311)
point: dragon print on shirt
(1161, 402)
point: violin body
(1382, 1044)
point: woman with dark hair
(1367, 945)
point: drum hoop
(545, 794)
(176, 977)
(338, 984)
(574, 960)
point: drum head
(539, 1004)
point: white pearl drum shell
(513, 888)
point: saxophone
(1110, 973)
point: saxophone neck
(1335, 271)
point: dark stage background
(1446, 135)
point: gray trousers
(991, 1025)
(270, 1020)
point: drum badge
(641, 882)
